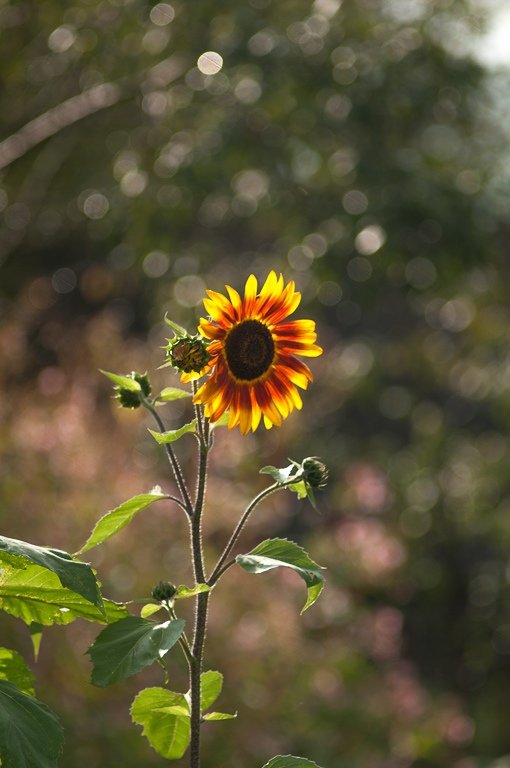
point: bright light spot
(492, 49)
(162, 14)
(369, 240)
(61, 39)
(133, 183)
(210, 63)
(94, 205)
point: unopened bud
(188, 354)
(130, 399)
(315, 472)
(163, 591)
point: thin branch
(219, 569)
(179, 477)
(82, 105)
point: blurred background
(360, 147)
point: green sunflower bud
(188, 354)
(163, 592)
(315, 472)
(130, 399)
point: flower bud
(128, 398)
(188, 354)
(315, 472)
(163, 591)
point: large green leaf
(14, 669)
(30, 734)
(118, 518)
(165, 718)
(289, 761)
(174, 434)
(274, 553)
(76, 576)
(36, 596)
(211, 683)
(130, 645)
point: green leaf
(219, 716)
(14, 669)
(118, 518)
(172, 393)
(126, 382)
(149, 609)
(279, 475)
(165, 718)
(211, 683)
(36, 631)
(35, 595)
(72, 574)
(274, 553)
(299, 488)
(130, 645)
(184, 592)
(30, 734)
(288, 761)
(174, 434)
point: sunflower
(254, 366)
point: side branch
(220, 565)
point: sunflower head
(254, 351)
(127, 398)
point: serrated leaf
(172, 393)
(116, 519)
(211, 683)
(130, 645)
(174, 434)
(14, 669)
(274, 553)
(30, 734)
(279, 475)
(149, 609)
(185, 592)
(165, 718)
(35, 595)
(126, 382)
(211, 716)
(289, 761)
(76, 576)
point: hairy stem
(202, 600)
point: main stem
(203, 598)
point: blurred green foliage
(355, 147)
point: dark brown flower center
(249, 349)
